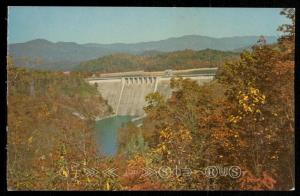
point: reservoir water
(107, 133)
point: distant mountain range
(46, 55)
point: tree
(260, 94)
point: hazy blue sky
(129, 25)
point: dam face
(134, 91)
(126, 94)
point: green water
(107, 133)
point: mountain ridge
(143, 42)
(190, 35)
(73, 53)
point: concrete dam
(125, 92)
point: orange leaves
(44, 112)
(221, 134)
(134, 177)
(137, 161)
(174, 146)
(250, 182)
(39, 124)
(283, 67)
(168, 136)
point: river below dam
(107, 133)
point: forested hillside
(186, 59)
(50, 119)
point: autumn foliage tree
(260, 96)
(250, 125)
(45, 137)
